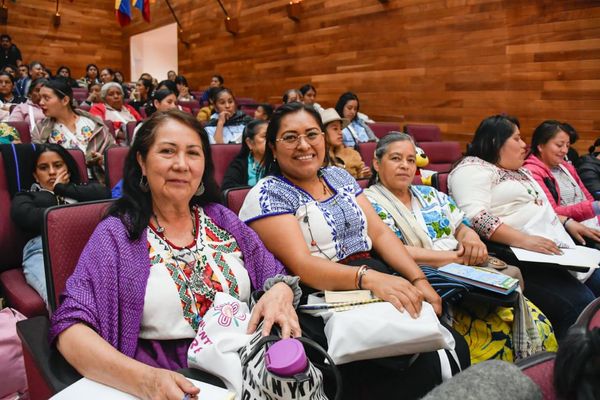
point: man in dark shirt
(9, 53)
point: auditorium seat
(424, 133)
(114, 161)
(439, 180)
(367, 152)
(190, 104)
(241, 101)
(80, 94)
(84, 107)
(130, 130)
(363, 183)
(249, 109)
(442, 155)
(111, 128)
(540, 369)
(79, 157)
(233, 198)
(222, 155)
(590, 316)
(380, 129)
(23, 128)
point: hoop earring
(144, 184)
(200, 190)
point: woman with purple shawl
(152, 267)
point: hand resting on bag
(396, 290)
(276, 307)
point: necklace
(160, 229)
(529, 187)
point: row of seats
(67, 230)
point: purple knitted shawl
(107, 288)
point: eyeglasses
(292, 140)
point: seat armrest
(51, 365)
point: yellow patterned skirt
(488, 330)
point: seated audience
(130, 328)
(107, 75)
(433, 229)
(207, 111)
(57, 181)
(340, 155)
(94, 95)
(263, 111)
(142, 94)
(30, 111)
(167, 84)
(113, 109)
(327, 223)
(172, 76)
(292, 95)
(11, 70)
(572, 155)
(216, 81)
(48, 73)
(23, 80)
(309, 95)
(183, 88)
(357, 131)
(71, 128)
(589, 170)
(227, 124)
(36, 70)
(247, 168)
(162, 100)
(91, 76)
(64, 72)
(7, 85)
(119, 77)
(504, 204)
(564, 190)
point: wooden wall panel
(88, 33)
(449, 62)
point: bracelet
(361, 274)
(565, 222)
(420, 278)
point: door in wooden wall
(154, 52)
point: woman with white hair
(114, 109)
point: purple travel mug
(286, 358)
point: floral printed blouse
(436, 213)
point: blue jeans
(33, 267)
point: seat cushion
(20, 295)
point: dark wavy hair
(577, 365)
(544, 133)
(61, 89)
(63, 153)
(490, 136)
(159, 96)
(87, 68)
(134, 208)
(271, 166)
(344, 98)
(170, 85)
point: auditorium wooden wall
(449, 62)
(88, 33)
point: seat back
(241, 101)
(380, 129)
(23, 128)
(67, 230)
(79, 157)
(540, 369)
(590, 316)
(367, 152)
(111, 128)
(130, 131)
(424, 133)
(439, 181)
(114, 162)
(442, 155)
(234, 198)
(80, 94)
(223, 155)
(191, 104)
(363, 183)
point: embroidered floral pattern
(485, 224)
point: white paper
(578, 257)
(89, 389)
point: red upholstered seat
(111, 128)
(66, 232)
(440, 181)
(114, 161)
(222, 155)
(442, 155)
(380, 129)
(189, 104)
(234, 198)
(130, 130)
(367, 152)
(363, 183)
(79, 157)
(80, 94)
(23, 128)
(84, 107)
(540, 369)
(240, 101)
(590, 316)
(424, 133)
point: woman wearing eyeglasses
(318, 223)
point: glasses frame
(297, 142)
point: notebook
(89, 389)
(480, 278)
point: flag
(144, 7)
(123, 11)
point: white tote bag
(378, 330)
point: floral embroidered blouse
(436, 213)
(184, 280)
